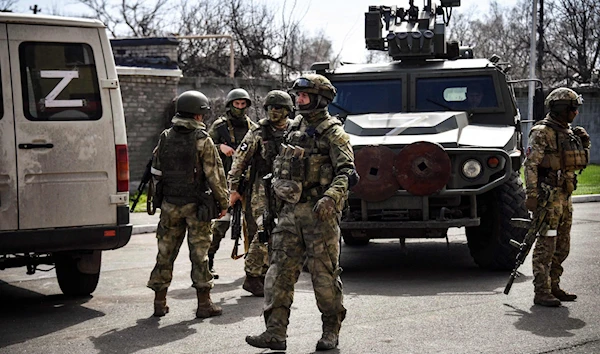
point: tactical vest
(182, 176)
(271, 143)
(231, 135)
(569, 156)
(305, 158)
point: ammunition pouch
(575, 159)
(551, 161)
(319, 170)
(288, 190)
(208, 207)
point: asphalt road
(431, 299)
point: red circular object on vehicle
(422, 168)
(375, 166)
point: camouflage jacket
(225, 130)
(211, 164)
(251, 149)
(545, 160)
(329, 138)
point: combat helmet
(315, 84)
(563, 98)
(192, 102)
(238, 94)
(278, 97)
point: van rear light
(122, 168)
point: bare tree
(571, 40)
(7, 5)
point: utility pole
(540, 43)
(532, 57)
(35, 9)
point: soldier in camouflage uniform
(227, 132)
(555, 153)
(312, 175)
(258, 150)
(187, 167)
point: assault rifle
(146, 177)
(236, 220)
(534, 227)
(264, 236)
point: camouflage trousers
(257, 259)
(551, 251)
(297, 235)
(174, 222)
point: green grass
(588, 182)
(141, 205)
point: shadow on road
(20, 308)
(235, 308)
(144, 335)
(415, 269)
(545, 321)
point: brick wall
(147, 96)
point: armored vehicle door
(63, 127)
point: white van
(64, 169)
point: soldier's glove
(583, 135)
(325, 208)
(531, 203)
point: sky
(342, 21)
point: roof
(7, 17)
(435, 64)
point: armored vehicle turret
(437, 139)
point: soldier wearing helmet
(556, 152)
(312, 175)
(187, 167)
(258, 150)
(227, 132)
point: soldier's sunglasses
(303, 83)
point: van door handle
(36, 146)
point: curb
(143, 229)
(585, 198)
(147, 229)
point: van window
(59, 82)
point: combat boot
(545, 299)
(331, 329)
(211, 264)
(254, 285)
(266, 340)
(206, 308)
(562, 295)
(160, 303)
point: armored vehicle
(437, 138)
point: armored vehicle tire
(354, 241)
(71, 280)
(489, 242)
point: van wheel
(489, 242)
(71, 280)
(350, 240)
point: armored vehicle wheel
(71, 280)
(489, 242)
(352, 241)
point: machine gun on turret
(412, 34)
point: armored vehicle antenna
(411, 34)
